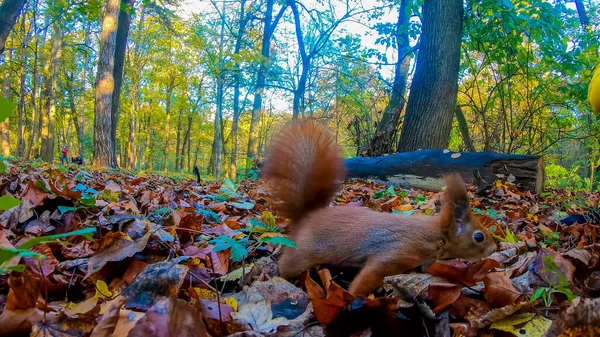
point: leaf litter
(109, 253)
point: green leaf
(85, 232)
(7, 202)
(3, 167)
(537, 294)
(378, 194)
(66, 209)
(18, 268)
(279, 240)
(242, 205)
(88, 200)
(238, 252)
(6, 109)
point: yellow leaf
(524, 325)
(404, 208)
(102, 291)
(84, 307)
(270, 235)
(205, 294)
(232, 302)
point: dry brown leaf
(415, 285)
(580, 254)
(109, 320)
(117, 246)
(170, 317)
(33, 194)
(499, 291)
(495, 315)
(327, 303)
(24, 292)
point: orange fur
(303, 167)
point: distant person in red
(64, 158)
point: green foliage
(562, 286)
(8, 202)
(238, 248)
(23, 250)
(6, 108)
(508, 235)
(389, 192)
(559, 177)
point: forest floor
(110, 253)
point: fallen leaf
(170, 317)
(579, 254)
(117, 246)
(499, 291)
(259, 316)
(523, 325)
(33, 194)
(24, 292)
(63, 326)
(107, 324)
(162, 279)
(327, 303)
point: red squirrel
(303, 170)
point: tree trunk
(34, 84)
(424, 169)
(216, 153)
(125, 12)
(186, 142)
(236, 91)
(50, 86)
(261, 79)
(385, 134)
(432, 98)
(178, 142)
(148, 148)
(22, 90)
(9, 12)
(168, 121)
(298, 105)
(104, 149)
(5, 125)
(81, 116)
(464, 129)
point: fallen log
(424, 169)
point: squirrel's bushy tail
(303, 167)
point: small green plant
(7, 254)
(551, 239)
(508, 235)
(560, 286)
(389, 192)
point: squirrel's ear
(456, 208)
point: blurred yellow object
(594, 90)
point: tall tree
(9, 12)
(387, 128)
(22, 87)
(236, 89)
(104, 149)
(269, 26)
(432, 97)
(216, 155)
(125, 12)
(49, 93)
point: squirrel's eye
(478, 237)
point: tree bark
(178, 141)
(186, 142)
(125, 12)
(424, 169)
(432, 99)
(104, 149)
(385, 134)
(261, 77)
(4, 125)
(464, 129)
(216, 153)
(22, 89)
(34, 84)
(298, 103)
(81, 116)
(170, 88)
(50, 86)
(9, 12)
(236, 91)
